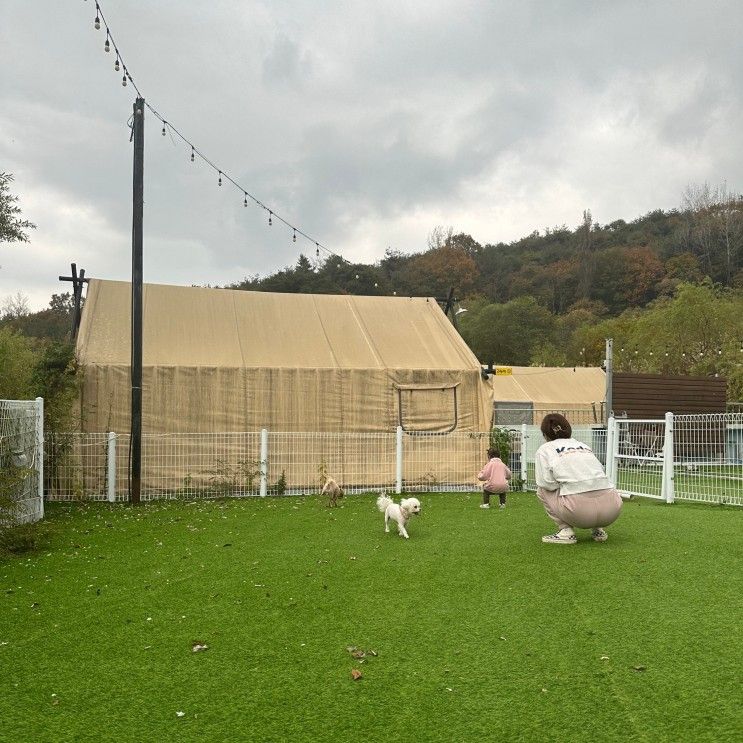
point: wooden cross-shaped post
(77, 293)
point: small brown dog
(332, 490)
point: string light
(110, 42)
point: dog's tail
(383, 501)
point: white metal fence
(685, 457)
(680, 457)
(21, 461)
(204, 465)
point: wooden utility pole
(77, 293)
(136, 362)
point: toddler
(495, 476)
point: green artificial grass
(479, 631)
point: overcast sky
(364, 123)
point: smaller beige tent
(528, 393)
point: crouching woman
(572, 485)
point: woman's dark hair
(492, 453)
(556, 426)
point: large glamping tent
(219, 360)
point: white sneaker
(599, 535)
(485, 505)
(564, 536)
(502, 506)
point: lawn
(471, 630)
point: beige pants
(585, 510)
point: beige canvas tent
(218, 360)
(526, 394)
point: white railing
(685, 457)
(212, 465)
(680, 457)
(21, 461)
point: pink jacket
(496, 476)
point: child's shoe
(485, 505)
(502, 506)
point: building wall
(653, 395)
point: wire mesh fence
(202, 465)
(692, 457)
(21, 441)
(708, 458)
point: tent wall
(208, 399)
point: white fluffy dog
(400, 513)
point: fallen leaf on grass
(604, 657)
(501, 638)
(197, 646)
(356, 674)
(180, 714)
(639, 668)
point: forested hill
(611, 267)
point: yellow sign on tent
(502, 371)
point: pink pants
(584, 510)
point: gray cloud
(364, 123)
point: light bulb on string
(117, 66)
(123, 81)
(270, 217)
(163, 129)
(317, 255)
(220, 177)
(97, 21)
(107, 45)
(245, 200)
(192, 154)
(294, 236)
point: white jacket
(569, 466)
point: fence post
(40, 452)
(524, 468)
(264, 462)
(610, 423)
(398, 462)
(111, 467)
(667, 486)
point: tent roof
(551, 385)
(196, 326)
